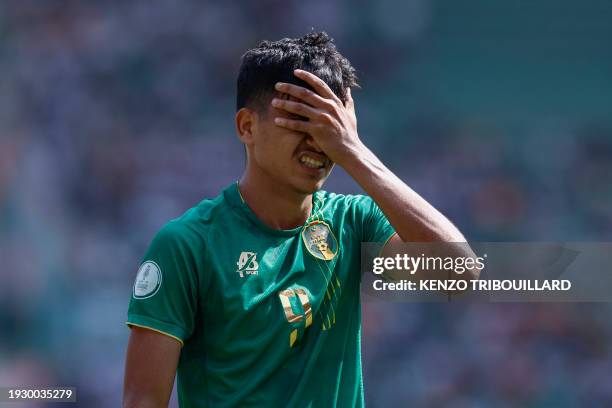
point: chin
(313, 187)
(308, 187)
(306, 190)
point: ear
(245, 121)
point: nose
(311, 142)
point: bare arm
(414, 219)
(150, 368)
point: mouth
(313, 160)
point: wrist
(353, 155)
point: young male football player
(253, 296)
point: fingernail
(278, 121)
(297, 71)
(275, 102)
(278, 86)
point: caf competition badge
(320, 240)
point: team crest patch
(320, 240)
(148, 280)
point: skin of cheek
(274, 148)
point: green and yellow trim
(130, 324)
(238, 189)
(386, 242)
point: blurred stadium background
(117, 116)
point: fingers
(303, 94)
(317, 83)
(350, 104)
(292, 124)
(298, 108)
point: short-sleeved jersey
(266, 317)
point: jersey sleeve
(165, 293)
(370, 222)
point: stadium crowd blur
(117, 116)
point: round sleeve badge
(148, 280)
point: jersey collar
(235, 200)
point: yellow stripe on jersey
(130, 324)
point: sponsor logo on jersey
(320, 240)
(247, 264)
(148, 280)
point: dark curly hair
(274, 61)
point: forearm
(414, 219)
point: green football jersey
(266, 317)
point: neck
(275, 205)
